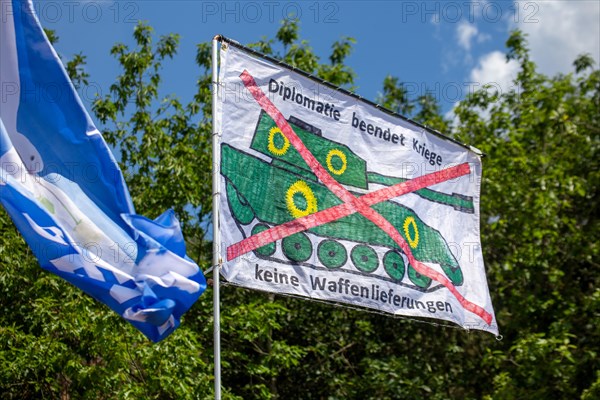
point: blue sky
(446, 47)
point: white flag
(328, 197)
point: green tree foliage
(540, 231)
(540, 224)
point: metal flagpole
(216, 230)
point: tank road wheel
(297, 247)
(239, 206)
(332, 254)
(364, 258)
(267, 249)
(393, 263)
(420, 280)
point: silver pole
(216, 232)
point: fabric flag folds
(65, 193)
(329, 197)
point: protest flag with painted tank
(328, 196)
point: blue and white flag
(65, 193)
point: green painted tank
(282, 188)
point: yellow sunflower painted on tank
(278, 149)
(341, 156)
(413, 239)
(301, 200)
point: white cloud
(482, 37)
(465, 33)
(492, 69)
(558, 31)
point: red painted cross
(351, 203)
